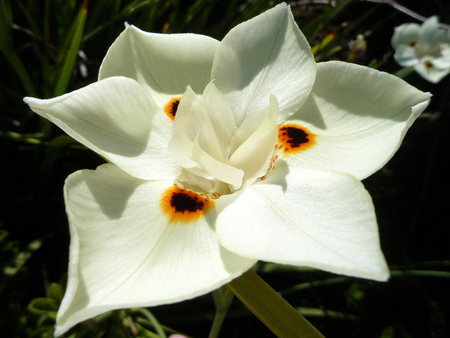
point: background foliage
(49, 47)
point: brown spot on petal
(293, 138)
(183, 205)
(412, 43)
(428, 64)
(171, 107)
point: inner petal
(255, 141)
(201, 136)
(218, 156)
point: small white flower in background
(425, 47)
(222, 154)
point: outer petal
(406, 56)
(429, 34)
(163, 63)
(118, 119)
(360, 117)
(263, 56)
(123, 252)
(431, 69)
(308, 218)
(405, 34)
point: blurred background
(49, 47)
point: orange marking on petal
(293, 138)
(183, 205)
(171, 107)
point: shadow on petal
(278, 175)
(311, 113)
(105, 189)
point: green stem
(421, 273)
(152, 319)
(308, 285)
(222, 298)
(272, 309)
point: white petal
(443, 59)
(198, 142)
(405, 34)
(220, 118)
(433, 73)
(256, 138)
(308, 218)
(406, 56)
(212, 129)
(119, 120)
(265, 55)
(163, 63)
(124, 253)
(360, 116)
(215, 169)
(429, 33)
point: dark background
(411, 193)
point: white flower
(261, 158)
(425, 47)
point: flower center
(217, 155)
(428, 64)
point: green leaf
(21, 258)
(318, 25)
(6, 47)
(56, 292)
(43, 306)
(52, 153)
(71, 57)
(404, 72)
(266, 304)
(5, 23)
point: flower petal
(406, 56)
(198, 139)
(359, 116)
(125, 253)
(305, 217)
(429, 33)
(405, 35)
(265, 55)
(431, 69)
(119, 120)
(162, 63)
(255, 141)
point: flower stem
(272, 309)
(222, 298)
(147, 314)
